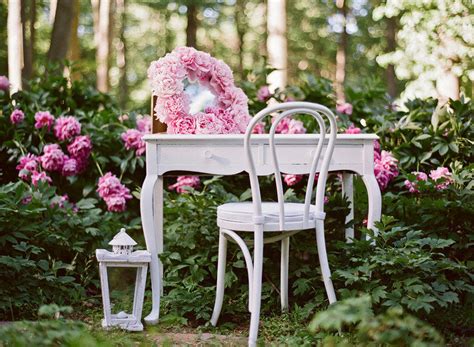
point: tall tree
(241, 25)
(390, 35)
(103, 45)
(28, 20)
(341, 52)
(192, 25)
(15, 45)
(277, 43)
(61, 34)
(122, 52)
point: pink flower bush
(344, 108)
(114, 193)
(53, 158)
(385, 168)
(71, 167)
(144, 124)
(290, 126)
(263, 94)
(67, 127)
(166, 75)
(291, 179)
(412, 186)
(132, 139)
(4, 83)
(27, 165)
(352, 130)
(442, 177)
(17, 116)
(40, 177)
(183, 183)
(43, 120)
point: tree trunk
(28, 19)
(103, 46)
(390, 36)
(276, 43)
(240, 23)
(15, 45)
(61, 30)
(95, 19)
(341, 54)
(191, 28)
(75, 49)
(122, 53)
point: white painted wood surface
(138, 260)
(224, 155)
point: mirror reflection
(200, 96)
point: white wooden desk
(224, 155)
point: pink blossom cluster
(183, 183)
(353, 130)
(43, 119)
(17, 116)
(28, 167)
(133, 138)
(413, 186)
(263, 94)
(442, 178)
(114, 193)
(385, 168)
(4, 83)
(173, 105)
(67, 127)
(345, 108)
(291, 179)
(290, 126)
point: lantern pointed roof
(122, 239)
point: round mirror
(200, 96)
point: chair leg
(323, 261)
(285, 258)
(257, 285)
(220, 278)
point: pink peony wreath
(229, 113)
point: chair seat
(239, 216)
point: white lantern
(123, 256)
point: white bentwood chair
(280, 218)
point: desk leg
(375, 200)
(348, 191)
(151, 207)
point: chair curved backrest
(287, 109)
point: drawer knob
(208, 154)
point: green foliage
(392, 327)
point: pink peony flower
(66, 127)
(182, 125)
(412, 186)
(44, 120)
(53, 158)
(27, 164)
(442, 177)
(70, 167)
(344, 108)
(352, 130)
(144, 123)
(40, 177)
(27, 199)
(122, 118)
(4, 83)
(385, 169)
(264, 94)
(183, 183)
(208, 123)
(292, 180)
(290, 126)
(132, 139)
(222, 77)
(114, 193)
(172, 107)
(80, 148)
(233, 97)
(259, 128)
(17, 116)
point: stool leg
(256, 285)
(221, 262)
(285, 259)
(323, 261)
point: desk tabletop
(260, 138)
